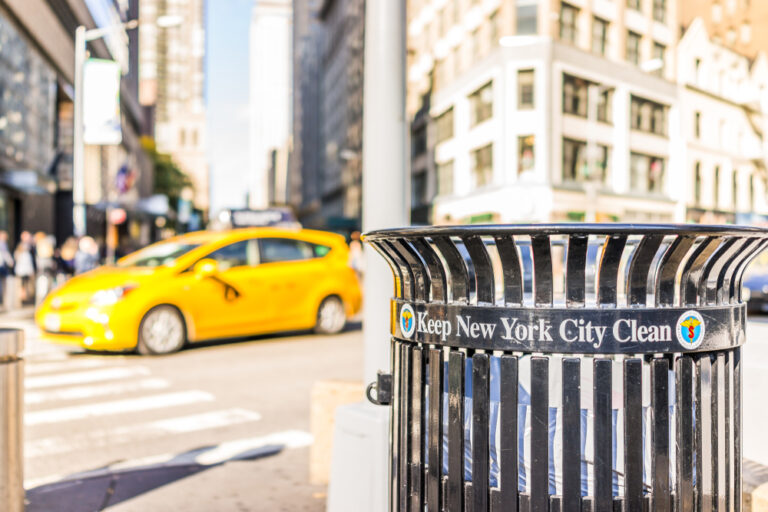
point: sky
(227, 25)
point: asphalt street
(223, 426)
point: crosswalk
(79, 406)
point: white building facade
(723, 100)
(270, 101)
(557, 118)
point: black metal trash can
(566, 367)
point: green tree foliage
(168, 178)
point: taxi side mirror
(206, 268)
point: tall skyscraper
(270, 102)
(171, 82)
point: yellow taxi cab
(207, 285)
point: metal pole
(11, 424)
(78, 168)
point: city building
(36, 121)
(341, 115)
(735, 24)
(270, 102)
(305, 171)
(171, 85)
(723, 102)
(544, 110)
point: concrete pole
(385, 164)
(78, 149)
(359, 467)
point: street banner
(101, 102)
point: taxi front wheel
(331, 316)
(161, 331)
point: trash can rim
(566, 229)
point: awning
(27, 182)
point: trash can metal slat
(660, 435)
(572, 435)
(640, 267)
(609, 269)
(456, 364)
(621, 397)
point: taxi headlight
(110, 296)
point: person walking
(24, 268)
(6, 265)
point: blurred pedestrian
(44, 245)
(87, 255)
(6, 264)
(24, 267)
(356, 258)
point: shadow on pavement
(102, 488)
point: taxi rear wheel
(161, 331)
(331, 317)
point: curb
(754, 486)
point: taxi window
(238, 254)
(273, 250)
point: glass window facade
(526, 156)
(576, 166)
(648, 116)
(599, 35)
(526, 80)
(527, 17)
(481, 104)
(444, 125)
(646, 173)
(568, 14)
(482, 166)
(445, 178)
(633, 47)
(27, 103)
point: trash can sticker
(690, 329)
(619, 330)
(407, 321)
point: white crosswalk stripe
(66, 379)
(133, 433)
(84, 392)
(81, 412)
(63, 365)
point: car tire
(331, 316)
(162, 331)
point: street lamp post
(82, 37)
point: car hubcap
(163, 330)
(332, 316)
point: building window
(716, 190)
(633, 4)
(734, 189)
(646, 173)
(481, 104)
(419, 141)
(526, 160)
(568, 14)
(697, 124)
(648, 116)
(660, 10)
(633, 47)
(525, 88)
(599, 35)
(576, 167)
(494, 22)
(456, 11)
(476, 46)
(697, 184)
(445, 178)
(482, 166)
(527, 17)
(605, 106)
(418, 189)
(444, 125)
(659, 51)
(575, 93)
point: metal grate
(567, 367)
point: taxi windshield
(157, 255)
